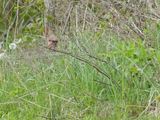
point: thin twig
(85, 61)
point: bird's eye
(50, 40)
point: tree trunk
(49, 13)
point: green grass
(36, 84)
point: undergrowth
(37, 84)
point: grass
(36, 84)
